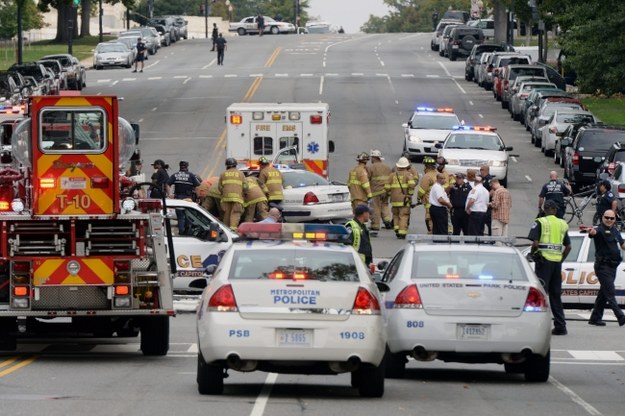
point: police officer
(554, 190)
(359, 235)
(184, 183)
(439, 203)
(379, 173)
(458, 196)
(605, 201)
(550, 246)
(608, 245)
(358, 182)
(271, 178)
(425, 184)
(486, 178)
(255, 203)
(400, 187)
(159, 179)
(232, 185)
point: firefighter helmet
(429, 161)
(377, 153)
(402, 163)
(263, 160)
(362, 157)
(231, 162)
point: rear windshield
(619, 156)
(526, 71)
(465, 265)
(288, 264)
(574, 118)
(599, 140)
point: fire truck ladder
(37, 238)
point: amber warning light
(236, 119)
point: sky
(351, 14)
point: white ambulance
(264, 129)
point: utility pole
(100, 21)
(206, 18)
(70, 26)
(20, 38)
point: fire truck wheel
(155, 335)
(7, 342)
(210, 378)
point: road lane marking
(17, 366)
(186, 80)
(154, 78)
(528, 178)
(321, 85)
(575, 398)
(179, 76)
(596, 355)
(270, 61)
(261, 400)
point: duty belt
(550, 247)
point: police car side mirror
(383, 287)
(331, 146)
(382, 265)
(509, 148)
(210, 270)
(438, 145)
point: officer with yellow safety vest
(255, 204)
(232, 184)
(272, 179)
(425, 184)
(358, 182)
(379, 173)
(550, 246)
(400, 187)
(359, 235)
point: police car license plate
(338, 197)
(467, 331)
(295, 337)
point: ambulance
(268, 129)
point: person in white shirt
(477, 205)
(439, 203)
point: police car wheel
(155, 335)
(514, 368)
(537, 368)
(370, 380)
(210, 378)
(394, 364)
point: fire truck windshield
(76, 130)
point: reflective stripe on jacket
(552, 232)
(358, 183)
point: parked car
(10, 94)
(181, 24)
(471, 303)
(131, 44)
(514, 71)
(108, 54)
(442, 47)
(461, 41)
(491, 64)
(558, 123)
(427, 127)
(248, 25)
(168, 24)
(587, 152)
(461, 15)
(59, 74)
(481, 68)
(165, 34)
(35, 87)
(614, 156)
(82, 73)
(438, 33)
(617, 182)
(474, 58)
(535, 99)
(565, 141)
(500, 65)
(544, 113)
(72, 69)
(487, 26)
(38, 72)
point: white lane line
(180, 76)
(575, 398)
(230, 76)
(129, 79)
(514, 159)
(459, 87)
(210, 63)
(321, 85)
(261, 400)
(381, 75)
(206, 76)
(444, 69)
(153, 78)
(432, 76)
(114, 83)
(481, 115)
(281, 75)
(596, 355)
(407, 75)
(103, 80)
(256, 75)
(154, 108)
(357, 74)
(193, 349)
(528, 178)
(471, 102)
(305, 75)
(332, 74)
(186, 80)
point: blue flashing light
(485, 277)
(290, 232)
(436, 110)
(475, 128)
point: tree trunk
(501, 20)
(65, 12)
(85, 13)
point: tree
(32, 18)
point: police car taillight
(536, 301)
(310, 232)
(316, 119)
(408, 298)
(236, 119)
(223, 300)
(365, 303)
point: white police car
(427, 127)
(466, 302)
(290, 298)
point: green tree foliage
(32, 18)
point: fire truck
(273, 129)
(77, 259)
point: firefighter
(255, 204)
(401, 186)
(272, 179)
(358, 181)
(232, 185)
(209, 197)
(411, 169)
(450, 180)
(428, 179)
(379, 173)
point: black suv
(474, 57)
(587, 152)
(461, 41)
(613, 157)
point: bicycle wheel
(569, 211)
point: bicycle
(572, 210)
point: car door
(588, 282)
(574, 269)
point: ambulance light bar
(286, 231)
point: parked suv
(461, 41)
(474, 58)
(181, 24)
(442, 47)
(588, 151)
(438, 33)
(72, 70)
(614, 156)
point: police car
(291, 298)
(580, 285)
(457, 299)
(426, 127)
(469, 147)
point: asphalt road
(372, 83)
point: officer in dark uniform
(458, 196)
(184, 183)
(359, 234)
(554, 190)
(608, 245)
(486, 178)
(605, 201)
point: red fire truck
(76, 258)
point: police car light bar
(436, 110)
(475, 128)
(466, 239)
(285, 231)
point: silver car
(108, 54)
